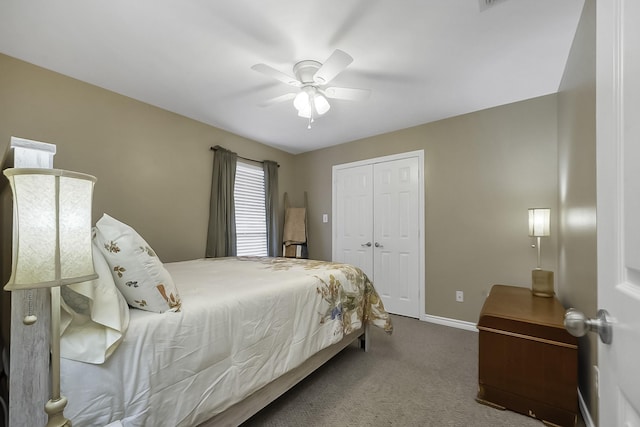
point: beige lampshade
(539, 222)
(52, 228)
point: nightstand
(528, 362)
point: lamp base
(55, 408)
(542, 283)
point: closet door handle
(378, 245)
(368, 244)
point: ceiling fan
(311, 77)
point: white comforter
(235, 333)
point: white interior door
(618, 177)
(396, 237)
(353, 218)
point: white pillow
(94, 316)
(135, 267)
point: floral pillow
(136, 269)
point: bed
(247, 329)
(241, 332)
(197, 361)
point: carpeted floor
(422, 375)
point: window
(251, 225)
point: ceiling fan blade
(278, 75)
(277, 99)
(334, 65)
(348, 94)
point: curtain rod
(215, 148)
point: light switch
(325, 218)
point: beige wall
(577, 258)
(153, 166)
(482, 172)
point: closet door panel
(383, 266)
(354, 207)
(404, 285)
(396, 234)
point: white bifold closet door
(377, 227)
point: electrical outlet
(325, 218)
(459, 296)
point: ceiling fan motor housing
(305, 70)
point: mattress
(244, 322)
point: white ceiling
(423, 60)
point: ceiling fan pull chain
(312, 107)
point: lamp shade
(539, 222)
(52, 228)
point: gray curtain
(221, 236)
(271, 206)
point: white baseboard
(586, 416)
(454, 323)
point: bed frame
(29, 379)
(245, 409)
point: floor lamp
(51, 248)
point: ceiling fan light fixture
(305, 112)
(309, 102)
(321, 104)
(301, 101)
(311, 77)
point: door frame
(421, 208)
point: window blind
(251, 226)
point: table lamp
(51, 248)
(539, 226)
